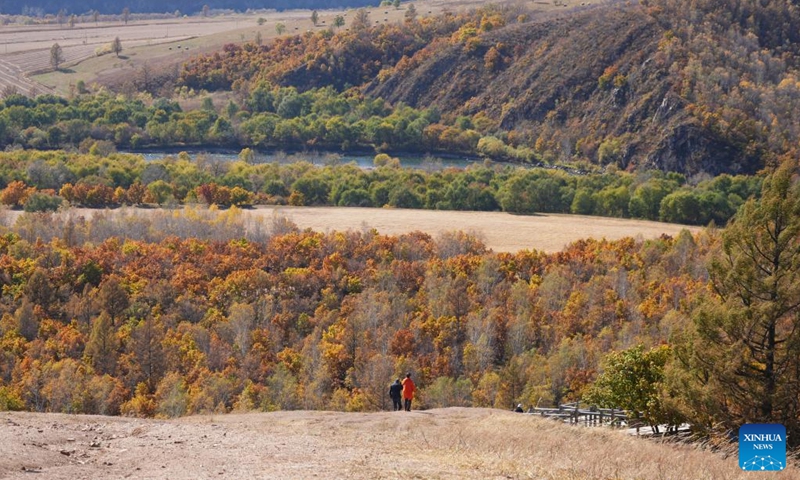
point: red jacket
(408, 388)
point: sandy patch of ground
(452, 443)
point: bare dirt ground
(452, 443)
(502, 232)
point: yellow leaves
(385, 74)
(14, 273)
(335, 355)
(183, 352)
(789, 83)
(11, 342)
(292, 359)
(10, 399)
(240, 285)
(141, 405)
(650, 307)
(490, 21)
(745, 84)
(757, 366)
(468, 30)
(131, 247)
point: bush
(10, 400)
(103, 50)
(42, 202)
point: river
(363, 160)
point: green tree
(314, 17)
(42, 202)
(280, 28)
(646, 199)
(743, 359)
(583, 202)
(126, 15)
(56, 56)
(159, 192)
(171, 396)
(101, 349)
(632, 379)
(681, 206)
(314, 190)
(338, 21)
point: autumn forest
(186, 305)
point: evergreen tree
(742, 364)
(101, 349)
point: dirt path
(452, 443)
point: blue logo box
(762, 447)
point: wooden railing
(593, 416)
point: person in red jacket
(408, 391)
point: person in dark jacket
(396, 394)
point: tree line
(268, 117)
(45, 180)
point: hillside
(547, 73)
(706, 87)
(451, 443)
(609, 83)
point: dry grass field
(451, 443)
(25, 50)
(502, 232)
